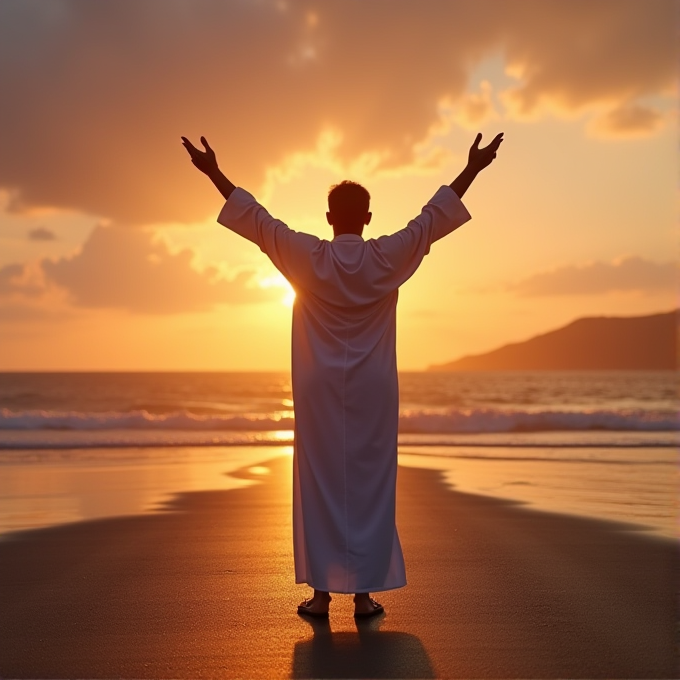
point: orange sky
(110, 257)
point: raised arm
(478, 159)
(206, 162)
(403, 251)
(287, 249)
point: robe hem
(377, 589)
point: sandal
(304, 609)
(377, 609)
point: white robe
(345, 389)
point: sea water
(83, 445)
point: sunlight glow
(259, 470)
(278, 281)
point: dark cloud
(127, 269)
(96, 94)
(18, 280)
(627, 275)
(8, 277)
(41, 234)
(579, 52)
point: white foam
(495, 420)
(415, 422)
(138, 420)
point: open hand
(478, 159)
(205, 161)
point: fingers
(496, 141)
(478, 139)
(204, 141)
(189, 146)
(493, 146)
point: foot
(315, 606)
(365, 606)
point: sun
(278, 281)
(289, 297)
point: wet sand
(205, 589)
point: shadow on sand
(368, 653)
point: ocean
(77, 446)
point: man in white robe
(344, 374)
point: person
(344, 374)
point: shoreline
(205, 588)
(49, 487)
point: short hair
(348, 200)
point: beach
(416, 330)
(204, 588)
(145, 530)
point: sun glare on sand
(279, 281)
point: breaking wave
(410, 422)
(493, 420)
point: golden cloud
(129, 269)
(97, 94)
(631, 120)
(630, 274)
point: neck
(340, 232)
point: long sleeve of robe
(345, 389)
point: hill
(636, 343)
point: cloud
(8, 277)
(14, 312)
(631, 274)
(628, 121)
(585, 52)
(473, 109)
(21, 280)
(26, 296)
(127, 269)
(41, 234)
(96, 94)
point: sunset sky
(110, 255)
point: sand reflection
(625, 485)
(45, 488)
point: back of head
(348, 204)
